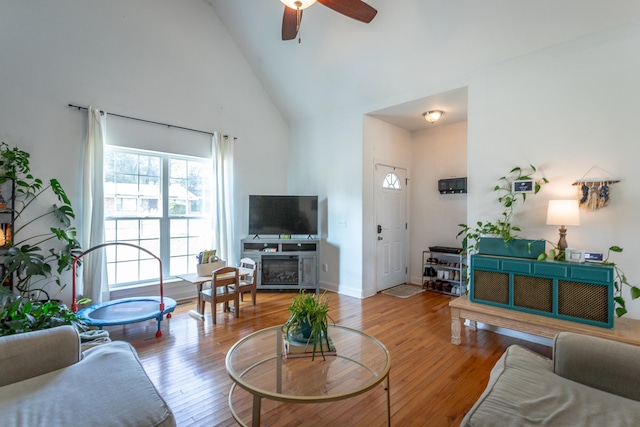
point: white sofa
(590, 382)
(45, 380)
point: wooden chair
(248, 283)
(224, 288)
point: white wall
(564, 109)
(325, 159)
(325, 155)
(161, 60)
(437, 153)
(388, 145)
(433, 218)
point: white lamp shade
(303, 3)
(563, 212)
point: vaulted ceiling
(395, 65)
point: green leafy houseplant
(36, 260)
(620, 278)
(309, 317)
(508, 198)
(19, 315)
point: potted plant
(36, 259)
(498, 238)
(19, 315)
(309, 321)
(620, 278)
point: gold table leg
(255, 421)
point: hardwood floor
(433, 383)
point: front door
(391, 226)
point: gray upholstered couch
(45, 380)
(589, 382)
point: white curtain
(222, 157)
(94, 282)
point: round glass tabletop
(258, 364)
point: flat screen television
(269, 215)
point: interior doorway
(390, 198)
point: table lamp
(563, 212)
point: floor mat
(403, 291)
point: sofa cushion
(524, 391)
(30, 354)
(108, 387)
(600, 363)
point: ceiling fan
(356, 9)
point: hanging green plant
(620, 279)
(508, 197)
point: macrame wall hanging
(593, 188)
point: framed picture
(593, 256)
(525, 186)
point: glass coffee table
(257, 364)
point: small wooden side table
(199, 281)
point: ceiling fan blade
(356, 9)
(290, 23)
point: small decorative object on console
(594, 256)
(574, 255)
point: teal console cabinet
(578, 292)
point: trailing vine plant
(620, 279)
(508, 198)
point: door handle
(379, 229)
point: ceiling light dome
(432, 116)
(298, 4)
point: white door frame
(378, 281)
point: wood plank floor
(433, 383)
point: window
(160, 202)
(391, 181)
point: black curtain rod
(79, 107)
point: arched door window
(391, 182)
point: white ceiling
(452, 103)
(397, 66)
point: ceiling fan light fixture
(298, 4)
(432, 116)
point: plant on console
(619, 281)
(508, 198)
